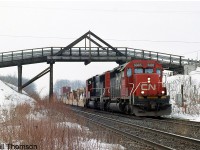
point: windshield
(138, 70)
(149, 70)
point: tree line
(74, 84)
(31, 89)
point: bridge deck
(83, 54)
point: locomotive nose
(147, 83)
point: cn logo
(146, 87)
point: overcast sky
(170, 27)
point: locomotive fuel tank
(92, 104)
(116, 107)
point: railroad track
(180, 127)
(152, 137)
(181, 121)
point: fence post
(157, 56)
(22, 54)
(126, 53)
(182, 95)
(12, 55)
(143, 54)
(51, 51)
(180, 60)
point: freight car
(135, 88)
(76, 98)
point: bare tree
(12, 79)
(75, 84)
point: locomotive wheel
(128, 109)
(107, 106)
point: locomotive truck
(135, 88)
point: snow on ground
(90, 143)
(9, 97)
(101, 146)
(15, 88)
(72, 125)
(195, 118)
(190, 107)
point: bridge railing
(21, 55)
(162, 57)
(89, 51)
(28, 53)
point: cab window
(158, 71)
(138, 70)
(89, 82)
(148, 70)
(129, 72)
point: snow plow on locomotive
(133, 88)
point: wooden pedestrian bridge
(94, 49)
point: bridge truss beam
(36, 77)
(49, 69)
(93, 38)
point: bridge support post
(20, 78)
(51, 83)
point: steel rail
(180, 137)
(126, 134)
(167, 120)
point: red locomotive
(134, 88)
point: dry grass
(49, 130)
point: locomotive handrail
(132, 88)
(98, 89)
(105, 90)
(102, 89)
(162, 83)
(138, 86)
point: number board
(150, 65)
(137, 65)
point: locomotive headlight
(142, 92)
(163, 92)
(148, 80)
